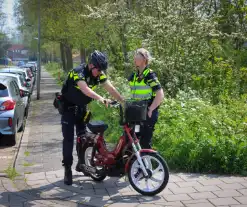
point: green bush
(195, 136)
(56, 72)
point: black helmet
(98, 59)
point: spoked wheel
(158, 174)
(87, 155)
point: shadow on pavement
(83, 192)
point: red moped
(147, 171)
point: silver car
(22, 72)
(21, 84)
(12, 109)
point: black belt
(75, 109)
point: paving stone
(175, 178)
(191, 177)
(57, 193)
(172, 185)
(202, 195)
(183, 190)
(119, 204)
(9, 185)
(87, 200)
(233, 186)
(4, 198)
(227, 193)
(37, 182)
(178, 197)
(241, 199)
(172, 203)
(231, 179)
(244, 184)
(166, 191)
(16, 200)
(223, 201)
(150, 199)
(243, 191)
(188, 184)
(208, 204)
(114, 193)
(195, 201)
(207, 188)
(101, 192)
(211, 182)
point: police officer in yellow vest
(77, 92)
(145, 85)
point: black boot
(77, 168)
(67, 175)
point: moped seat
(97, 126)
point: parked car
(21, 71)
(23, 89)
(32, 71)
(11, 109)
(33, 63)
(20, 63)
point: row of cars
(16, 87)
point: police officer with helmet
(77, 92)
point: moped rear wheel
(86, 159)
(158, 174)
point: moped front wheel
(157, 178)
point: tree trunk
(68, 51)
(63, 57)
(83, 54)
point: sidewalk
(41, 179)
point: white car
(23, 90)
(25, 71)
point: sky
(8, 9)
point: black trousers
(146, 130)
(69, 121)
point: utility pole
(39, 58)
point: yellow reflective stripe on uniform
(76, 77)
(152, 84)
(148, 92)
(103, 76)
(140, 87)
(71, 75)
(85, 117)
(92, 87)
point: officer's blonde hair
(144, 53)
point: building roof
(17, 47)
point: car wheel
(26, 112)
(22, 125)
(11, 139)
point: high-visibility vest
(140, 90)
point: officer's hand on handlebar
(105, 101)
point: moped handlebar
(116, 104)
